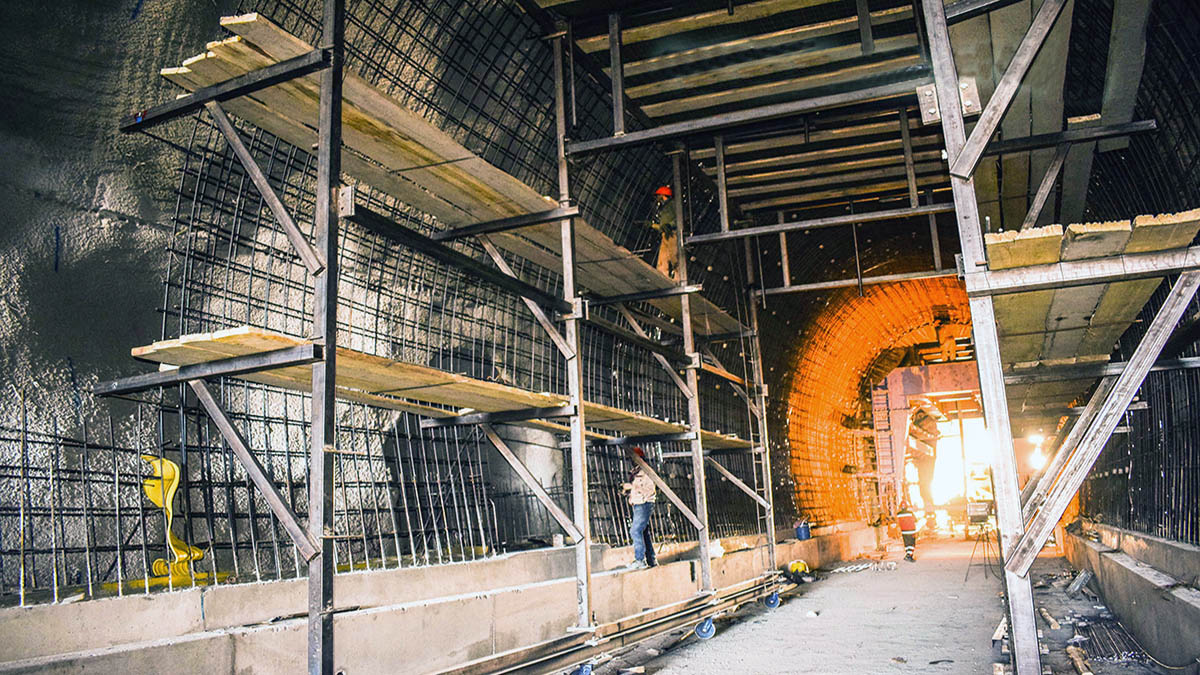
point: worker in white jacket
(641, 497)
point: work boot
(637, 565)
(910, 558)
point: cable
(1160, 663)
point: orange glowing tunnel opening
(850, 345)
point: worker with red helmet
(663, 221)
(642, 493)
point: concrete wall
(396, 620)
(1161, 611)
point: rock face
(87, 210)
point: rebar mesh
(402, 496)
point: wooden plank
(751, 11)
(1126, 58)
(404, 386)
(1018, 248)
(763, 66)
(418, 163)
(1008, 26)
(1045, 81)
(772, 40)
(1163, 231)
(727, 97)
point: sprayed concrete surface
(920, 618)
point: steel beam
(847, 283)
(963, 165)
(865, 36)
(616, 72)
(969, 9)
(737, 482)
(323, 434)
(693, 383)
(646, 295)
(671, 495)
(1088, 272)
(817, 223)
(1046, 186)
(1092, 372)
(563, 520)
(1101, 428)
(387, 227)
(1019, 590)
(304, 541)
(500, 417)
(715, 123)
(1084, 135)
(574, 365)
(300, 355)
(507, 224)
(722, 184)
(535, 309)
(910, 170)
(1034, 492)
(308, 255)
(317, 59)
(666, 351)
(638, 440)
(661, 358)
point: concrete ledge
(1177, 559)
(1160, 612)
(398, 626)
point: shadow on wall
(826, 371)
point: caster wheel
(772, 600)
(585, 669)
(705, 629)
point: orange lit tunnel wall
(827, 367)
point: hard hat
(637, 450)
(664, 191)
(798, 566)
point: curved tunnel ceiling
(833, 355)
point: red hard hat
(637, 450)
(664, 191)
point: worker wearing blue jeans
(641, 497)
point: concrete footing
(403, 620)
(1136, 574)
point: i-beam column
(693, 394)
(1019, 592)
(325, 301)
(579, 477)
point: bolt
(932, 111)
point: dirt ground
(921, 617)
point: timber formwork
(260, 75)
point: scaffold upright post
(579, 477)
(1018, 590)
(325, 300)
(693, 395)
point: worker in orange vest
(907, 521)
(663, 221)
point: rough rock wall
(86, 210)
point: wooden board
(1081, 324)
(405, 386)
(400, 153)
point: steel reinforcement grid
(1147, 478)
(74, 514)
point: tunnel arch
(832, 357)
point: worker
(908, 530)
(641, 497)
(663, 221)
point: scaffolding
(262, 75)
